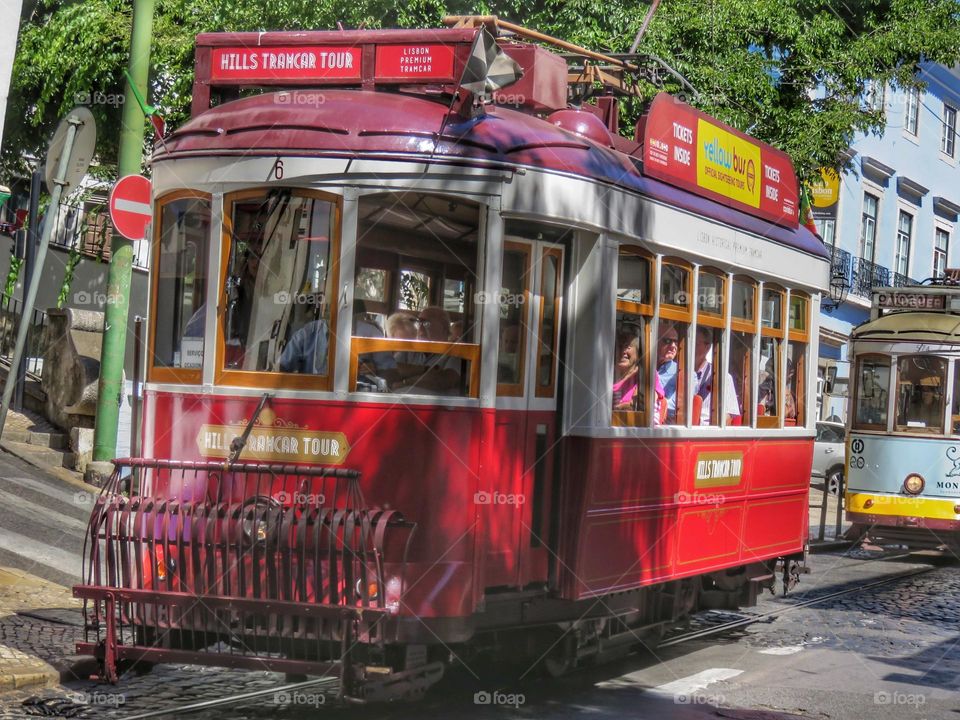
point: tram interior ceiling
(590, 392)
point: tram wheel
(835, 481)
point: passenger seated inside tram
(376, 372)
(442, 374)
(508, 357)
(703, 384)
(627, 390)
(403, 325)
(766, 392)
(928, 412)
(668, 368)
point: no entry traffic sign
(130, 208)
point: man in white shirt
(703, 383)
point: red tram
(426, 371)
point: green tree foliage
(792, 72)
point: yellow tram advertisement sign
(728, 164)
(715, 469)
(287, 444)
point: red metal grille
(254, 565)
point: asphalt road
(42, 522)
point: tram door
(526, 418)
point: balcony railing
(862, 275)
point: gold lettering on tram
(714, 469)
(279, 441)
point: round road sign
(130, 207)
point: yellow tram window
(180, 282)
(278, 287)
(872, 383)
(921, 384)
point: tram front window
(920, 393)
(277, 283)
(181, 281)
(416, 271)
(873, 379)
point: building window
(947, 139)
(826, 229)
(941, 243)
(912, 116)
(904, 231)
(874, 95)
(868, 227)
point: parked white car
(828, 455)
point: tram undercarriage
(313, 591)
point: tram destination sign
(911, 301)
(263, 64)
(687, 148)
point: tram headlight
(254, 519)
(913, 485)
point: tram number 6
(278, 169)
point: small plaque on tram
(911, 301)
(286, 443)
(716, 469)
(417, 61)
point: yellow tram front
(903, 448)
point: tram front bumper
(903, 511)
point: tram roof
(351, 123)
(911, 326)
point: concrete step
(54, 440)
(40, 455)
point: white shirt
(704, 380)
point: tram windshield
(277, 284)
(920, 393)
(873, 379)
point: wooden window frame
(549, 390)
(364, 345)
(780, 332)
(707, 317)
(739, 324)
(516, 389)
(669, 311)
(276, 379)
(638, 418)
(181, 376)
(875, 427)
(800, 335)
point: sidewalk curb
(58, 473)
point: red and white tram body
(438, 304)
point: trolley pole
(110, 389)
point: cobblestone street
(887, 651)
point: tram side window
(181, 281)
(423, 250)
(513, 319)
(793, 400)
(921, 381)
(278, 284)
(631, 356)
(769, 378)
(671, 355)
(743, 326)
(708, 392)
(873, 380)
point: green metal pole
(121, 260)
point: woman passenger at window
(626, 374)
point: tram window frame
(954, 416)
(678, 317)
(713, 321)
(406, 214)
(858, 389)
(797, 338)
(159, 373)
(278, 379)
(515, 389)
(906, 427)
(778, 334)
(548, 360)
(643, 311)
(742, 325)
